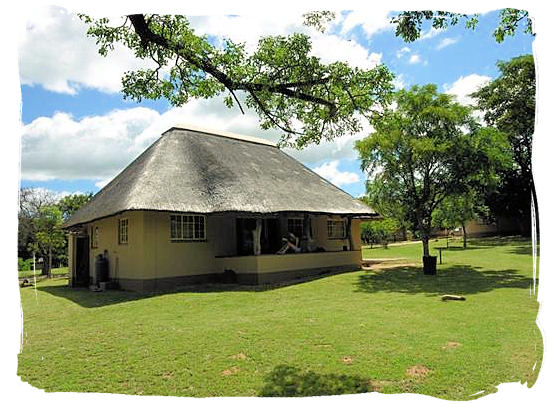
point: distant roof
(189, 170)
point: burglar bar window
(187, 228)
(336, 229)
(296, 226)
(123, 231)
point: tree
(289, 89)
(508, 103)
(388, 207)
(31, 200)
(378, 231)
(49, 235)
(71, 203)
(425, 148)
(409, 23)
(457, 210)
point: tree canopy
(41, 214)
(425, 148)
(409, 23)
(290, 89)
(71, 203)
(508, 104)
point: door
(82, 262)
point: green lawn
(383, 330)
(30, 274)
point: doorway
(81, 276)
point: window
(186, 227)
(123, 231)
(95, 236)
(336, 229)
(296, 226)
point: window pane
(296, 226)
(199, 227)
(175, 227)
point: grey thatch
(198, 172)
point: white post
(256, 236)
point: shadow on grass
(524, 250)
(499, 241)
(86, 298)
(459, 279)
(288, 381)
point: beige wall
(125, 260)
(150, 254)
(164, 258)
(273, 263)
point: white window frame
(331, 229)
(187, 224)
(123, 236)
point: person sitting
(292, 245)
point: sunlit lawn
(29, 274)
(384, 330)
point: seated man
(287, 244)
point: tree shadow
(524, 250)
(458, 279)
(289, 381)
(499, 240)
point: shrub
(24, 265)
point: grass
(30, 274)
(384, 330)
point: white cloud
(401, 52)
(56, 54)
(465, 86)
(446, 42)
(399, 82)
(340, 148)
(60, 147)
(331, 173)
(371, 20)
(431, 33)
(249, 29)
(330, 48)
(414, 59)
(98, 147)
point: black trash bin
(430, 264)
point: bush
(378, 231)
(24, 265)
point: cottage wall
(125, 260)
(151, 260)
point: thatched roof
(192, 171)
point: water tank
(101, 269)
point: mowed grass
(30, 274)
(377, 330)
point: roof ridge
(222, 133)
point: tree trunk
(464, 236)
(46, 269)
(49, 262)
(425, 243)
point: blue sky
(78, 132)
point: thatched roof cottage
(197, 204)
